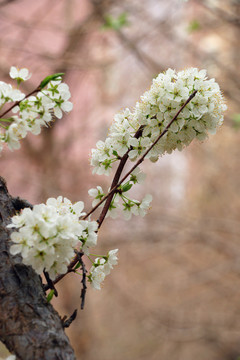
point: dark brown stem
(67, 322)
(83, 281)
(115, 181)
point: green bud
(126, 187)
(77, 266)
(50, 296)
(50, 78)
(115, 153)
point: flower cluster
(31, 112)
(149, 118)
(102, 267)
(48, 234)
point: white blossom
(8, 93)
(22, 74)
(15, 132)
(114, 207)
(142, 207)
(137, 176)
(138, 147)
(129, 208)
(97, 194)
(89, 235)
(112, 258)
(102, 267)
(97, 276)
(11, 357)
(60, 94)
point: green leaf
(115, 153)
(126, 187)
(50, 78)
(194, 25)
(50, 296)
(122, 19)
(77, 266)
(115, 23)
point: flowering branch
(48, 234)
(31, 111)
(116, 183)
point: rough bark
(29, 326)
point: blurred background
(176, 292)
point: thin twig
(50, 284)
(84, 273)
(67, 322)
(18, 102)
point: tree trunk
(29, 326)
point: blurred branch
(219, 12)
(6, 2)
(140, 55)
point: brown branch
(83, 281)
(50, 284)
(115, 181)
(155, 142)
(29, 325)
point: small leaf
(50, 78)
(122, 19)
(77, 266)
(115, 153)
(115, 23)
(126, 187)
(50, 295)
(194, 25)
